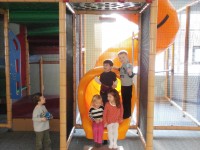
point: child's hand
(44, 119)
(100, 120)
(97, 80)
(96, 120)
(114, 85)
(129, 71)
(120, 121)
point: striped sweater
(96, 113)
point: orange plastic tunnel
(87, 88)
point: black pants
(104, 96)
(126, 92)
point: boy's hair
(108, 61)
(36, 97)
(116, 96)
(95, 97)
(122, 52)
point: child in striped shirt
(96, 115)
(113, 115)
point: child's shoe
(110, 146)
(105, 142)
(99, 145)
(95, 144)
(115, 146)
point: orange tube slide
(87, 88)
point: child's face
(42, 100)
(123, 58)
(97, 103)
(110, 98)
(107, 67)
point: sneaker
(99, 145)
(110, 146)
(115, 146)
(95, 144)
(105, 142)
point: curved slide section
(167, 27)
(111, 53)
(167, 24)
(87, 88)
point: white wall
(50, 76)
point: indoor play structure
(88, 87)
(63, 29)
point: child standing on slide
(96, 115)
(126, 77)
(107, 80)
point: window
(195, 55)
